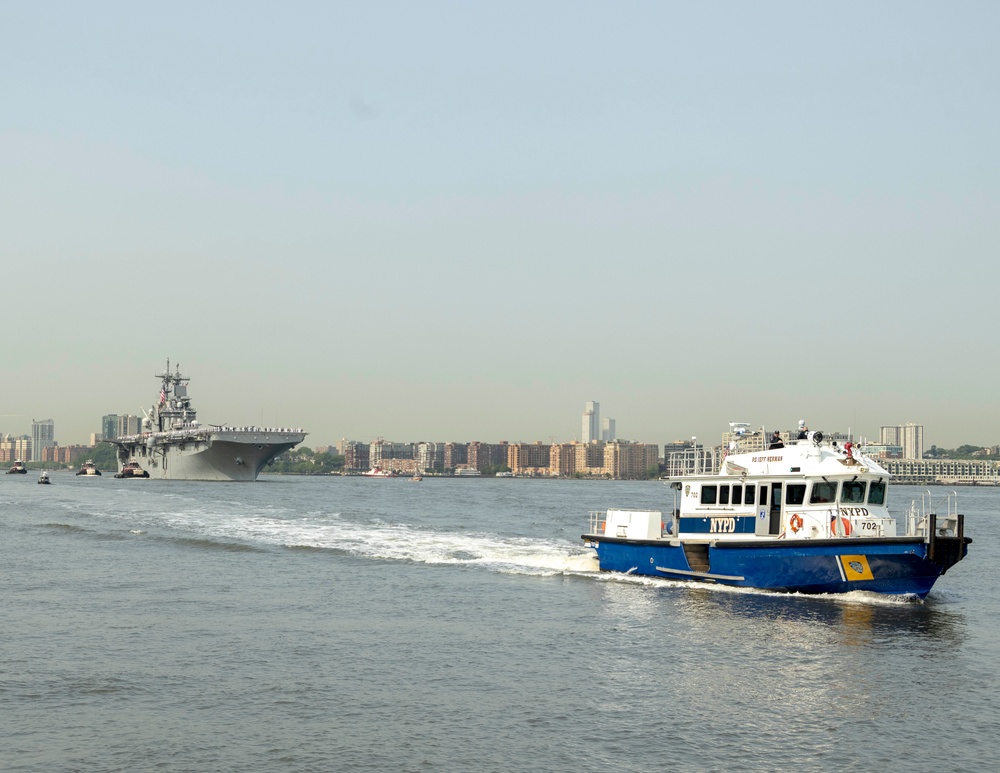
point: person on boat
(803, 430)
(776, 441)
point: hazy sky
(461, 221)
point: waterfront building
(356, 455)
(562, 459)
(43, 435)
(909, 436)
(430, 457)
(61, 454)
(948, 472)
(455, 455)
(109, 426)
(127, 425)
(483, 455)
(383, 454)
(624, 460)
(590, 458)
(529, 458)
(14, 449)
(591, 422)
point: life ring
(844, 522)
(795, 522)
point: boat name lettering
(766, 459)
(722, 525)
(855, 511)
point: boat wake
(379, 540)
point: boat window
(876, 493)
(795, 493)
(709, 495)
(823, 492)
(737, 495)
(853, 492)
(723, 495)
(763, 496)
(748, 499)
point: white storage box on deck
(634, 524)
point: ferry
(467, 472)
(809, 516)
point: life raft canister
(843, 522)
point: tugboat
(44, 478)
(89, 468)
(17, 468)
(132, 470)
(174, 446)
(808, 516)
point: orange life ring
(844, 522)
(795, 522)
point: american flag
(163, 396)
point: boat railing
(926, 514)
(597, 520)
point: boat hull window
(737, 495)
(823, 493)
(876, 493)
(723, 495)
(795, 494)
(748, 496)
(709, 495)
(853, 492)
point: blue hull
(895, 567)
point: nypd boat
(806, 516)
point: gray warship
(174, 446)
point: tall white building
(43, 435)
(591, 422)
(909, 436)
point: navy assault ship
(174, 446)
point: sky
(456, 221)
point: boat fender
(844, 522)
(796, 522)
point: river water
(327, 623)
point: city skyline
(448, 220)
(908, 435)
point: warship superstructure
(174, 446)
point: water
(319, 624)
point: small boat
(17, 468)
(88, 468)
(505, 474)
(378, 472)
(44, 478)
(417, 477)
(131, 470)
(807, 516)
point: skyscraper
(608, 433)
(910, 437)
(43, 434)
(591, 422)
